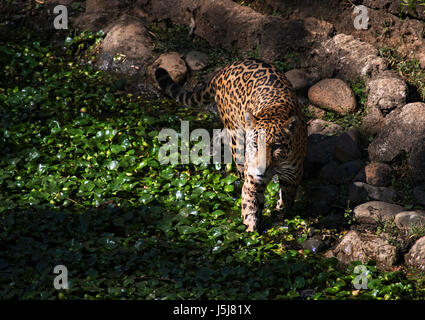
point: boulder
(327, 173)
(333, 95)
(360, 192)
(376, 174)
(320, 148)
(348, 58)
(319, 126)
(335, 173)
(298, 78)
(315, 244)
(129, 40)
(416, 160)
(316, 112)
(403, 132)
(373, 120)
(416, 255)
(410, 219)
(318, 30)
(347, 171)
(347, 146)
(361, 246)
(373, 211)
(173, 63)
(196, 60)
(387, 91)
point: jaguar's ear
(250, 120)
(290, 125)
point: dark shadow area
(122, 253)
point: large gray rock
(359, 192)
(335, 173)
(127, 38)
(315, 244)
(333, 95)
(320, 148)
(196, 60)
(376, 174)
(373, 211)
(348, 170)
(410, 219)
(173, 63)
(348, 58)
(327, 173)
(298, 78)
(319, 126)
(356, 246)
(400, 132)
(416, 255)
(403, 132)
(316, 112)
(416, 159)
(386, 92)
(318, 29)
(373, 120)
(347, 146)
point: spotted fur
(255, 100)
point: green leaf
(145, 198)
(115, 148)
(112, 165)
(183, 229)
(217, 213)
(229, 179)
(228, 188)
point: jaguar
(265, 125)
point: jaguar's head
(268, 147)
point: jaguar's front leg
(252, 204)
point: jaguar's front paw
(251, 221)
(279, 205)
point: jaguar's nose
(257, 172)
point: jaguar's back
(255, 101)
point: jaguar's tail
(200, 96)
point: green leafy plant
(409, 68)
(288, 62)
(360, 92)
(349, 214)
(411, 6)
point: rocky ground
(366, 146)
